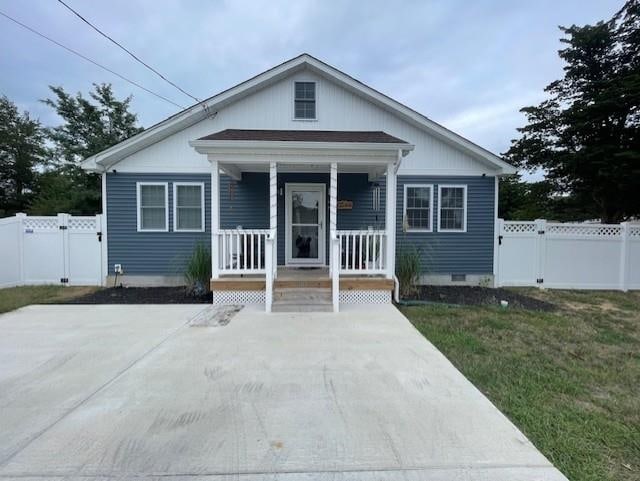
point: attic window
(305, 101)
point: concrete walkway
(104, 392)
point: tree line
(584, 137)
(40, 169)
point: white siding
(337, 109)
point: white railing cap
(243, 231)
(361, 232)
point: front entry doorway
(305, 208)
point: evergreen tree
(22, 151)
(586, 135)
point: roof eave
(190, 116)
(211, 146)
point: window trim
(404, 208)
(175, 206)
(464, 207)
(139, 206)
(293, 102)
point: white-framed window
(418, 202)
(153, 206)
(452, 208)
(188, 206)
(304, 100)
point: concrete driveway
(104, 392)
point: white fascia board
(189, 116)
(414, 117)
(208, 107)
(211, 146)
(297, 157)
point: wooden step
(317, 283)
(302, 295)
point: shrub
(198, 270)
(408, 271)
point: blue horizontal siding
(469, 252)
(246, 203)
(149, 253)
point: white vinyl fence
(568, 256)
(61, 249)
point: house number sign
(345, 204)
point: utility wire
(127, 50)
(68, 49)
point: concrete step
(296, 299)
(283, 307)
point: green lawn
(15, 297)
(570, 379)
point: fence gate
(519, 253)
(63, 249)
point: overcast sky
(467, 65)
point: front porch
(306, 289)
(276, 221)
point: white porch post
(390, 218)
(334, 258)
(273, 212)
(215, 219)
(271, 244)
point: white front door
(305, 209)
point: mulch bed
(479, 296)
(141, 295)
(461, 295)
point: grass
(569, 379)
(16, 297)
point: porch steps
(301, 299)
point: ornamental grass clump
(408, 271)
(198, 271)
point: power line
(68, 49)
(127, 50)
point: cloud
(469, 66)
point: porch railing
(362, 251)
(242, 251)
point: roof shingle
(376, 137)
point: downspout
(396, 289)
(396, 282)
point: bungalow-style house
(307, 185)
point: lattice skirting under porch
(365, 297)
(258, 297)
(240, 298)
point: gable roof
(349, 136)
(210, 106)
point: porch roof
(236, 151)
(376, 137)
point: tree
(22, 150)
(521, 200)
(586, 135)
(89, 126)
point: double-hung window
(153, 212)
(188, 206)
(304, 101)
(418, 199)
(452, 208)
